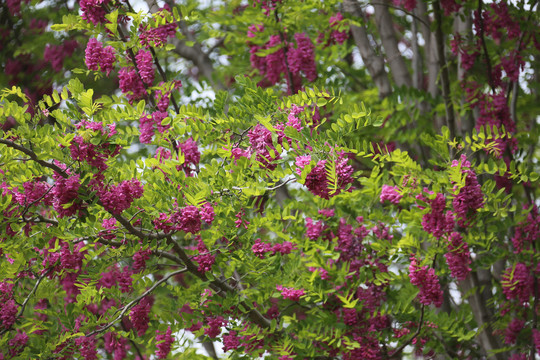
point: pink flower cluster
(8, 307)
(458, 256)
(260, 248)
(517, 283)
(93, 10)
(87, 347)
(140, 258)
(408, 5)
(299, 59)
(55, 54)
(260, 139)
(314, 229)
(163, 98)
(204, 259)
(65, 193)
(390, 193)
(117, 277)
(527, 232)
(470, 197)
(17, 344)
(437, 222)
(302, 58)
(187, 219)
(497, 22)
(290, 293)
(99, 58)
(131, 84)
(338, 36)
(192, 156)
(163, 343)
(145, 66)
(214, 326)
(157, 36)
(94, 155)
(427, 282)
(139, 315)
(149, 123)
(117, 345)
(513, 330)
(117, 198)
(231, 341)
(35, 192)
(317, 180)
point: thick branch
(385, 26)
(450, 120)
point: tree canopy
(269, 178)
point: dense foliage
(279, 178)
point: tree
(331, 180)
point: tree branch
(418, 329)
(218, 285)
(450, 120)
(27, 299)
(34, 157)
(385, 26)
(374, 63)
(135, 301)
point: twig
(220, 286)
(27, 299)
(135, 301)
(419, 328)
(34, 157)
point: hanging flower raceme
(163, 343)
(427, 282)
(99, 58)
(391, 194)
(8, 307)
(144, 62)
(131, 84)
(117, 198)
(470, 197)
(436, 222)
(338, 36)
(319, 183)
(302, 58)
(93, 11)
(517, 283)
(458, 256)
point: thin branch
(27, 299)
(135, 301)
(418, 329)
(535, 316)
(34, 157)
(219, 286)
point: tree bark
(373, 62)
(385, 26)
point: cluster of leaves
(275, 221)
